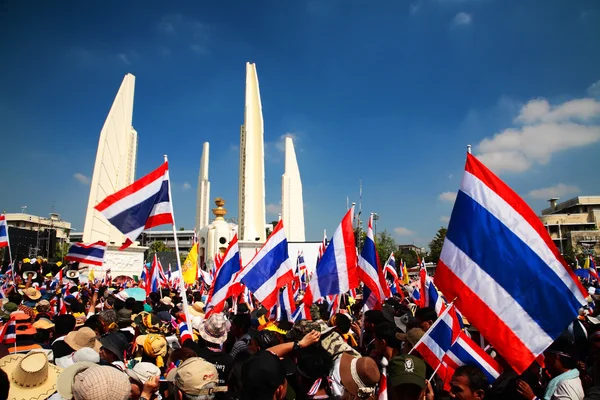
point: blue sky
(389, 92)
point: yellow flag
(91, 276)
(405, 274)
(189, 269)
(587, 263)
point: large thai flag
(221, 290)
(270, 269)
(90, 254)
(4, 242)
(142, 205)
(466, 352)
(507, 275)
(369, 267)
(438, 339)
(337, 271)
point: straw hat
(197, 309)
(32, 293)
(167, 301)
(84, 337)
(31, 376)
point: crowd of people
(92, 341)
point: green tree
(61, 250)
(435, 246)
(157, 247)
(385, 244)
(410, 257)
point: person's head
(179, 355)
(372, 318)
(468, 383)
(261, 340)
(108, 318)
(15, 297)
(343, 322)
(139, 375)
(77, 307)
(594, 340)
(312, 363)
(113, 347)
(240, 325)
(101, 383)
(154, 298)
(425, 316)
(560, 357)
(263, 377)
(63, 324)
(93, 322)
(196, 379)
(386, 342)
(129, 303)
(406, 378)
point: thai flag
(164, 282)
(206, 277)
(302, 312)
(506, 273)
(390, 268)
(432, 297)
(142, 205)
(438, 339)
(337, 271)
(370, 300)
(466, 352)
(225, 276)
(184, 333)
(369, 267)
(153, 281)
(593, 270)
(59, 275)
(247, 298)
(90, 254)
(4, 242)
(416, 296)
(270, 269)
(62, 307)
(8, 332)
(322, 247)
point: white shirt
(569, 389)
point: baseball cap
(262, 374)
(194, 374)
(405, 369)
(143, 371)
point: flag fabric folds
(369, 267)
(4, 242)
(270, 269)
(466, 352)
(8, 332)
(153, 279)
(337, 271)
(190, 266)
(507, 275)
(287, 306)
(224, 277)
(142, 205)
(90, 254)
(184, 333)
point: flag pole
(12, 265)
(181, 285)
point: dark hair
(64, 324)
(242, 321)
(343, 322)
(375, 317)
(477, 379)
(235, 387)
(129, 303)
(93, 322)
(154, 297)
(426, 314)
(15, 297)
(137, 308)
(77, 307)
(4, 385)
(182, 354)
(314, 362)
(387, 331)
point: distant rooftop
(572, 205)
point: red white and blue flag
(184, 333)
(593, 271)
(337, 271)
(8, 332)
(302, 312)
(466, 352)
(509, 279)
(390, 269)
(286, 304)
(225, 276)
(369, 267)
(4, 242)
(270, 269)
(142, 205)
(87, 253)
(432, 297)
(153, 280)
(438, 339)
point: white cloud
(280, 145)
(401, 231)
(462, 18)
(545, 130)
(273, 208)
(450, 176)
(445, 219)
(123, 57)
(186, 186)
(81, 178)
(450, 197)
(558, 190)
(414, 7)
(179, 29)
(594, 89)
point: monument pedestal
(128, 262)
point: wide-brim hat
(116, 343)
(214, 329)
(72, 274)
(359, 375)
(167, 301)
(197, 309)
(64, 384)
(84, 337)
(27, 273)
(31, 376)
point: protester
(407, 379)
(468, 383)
